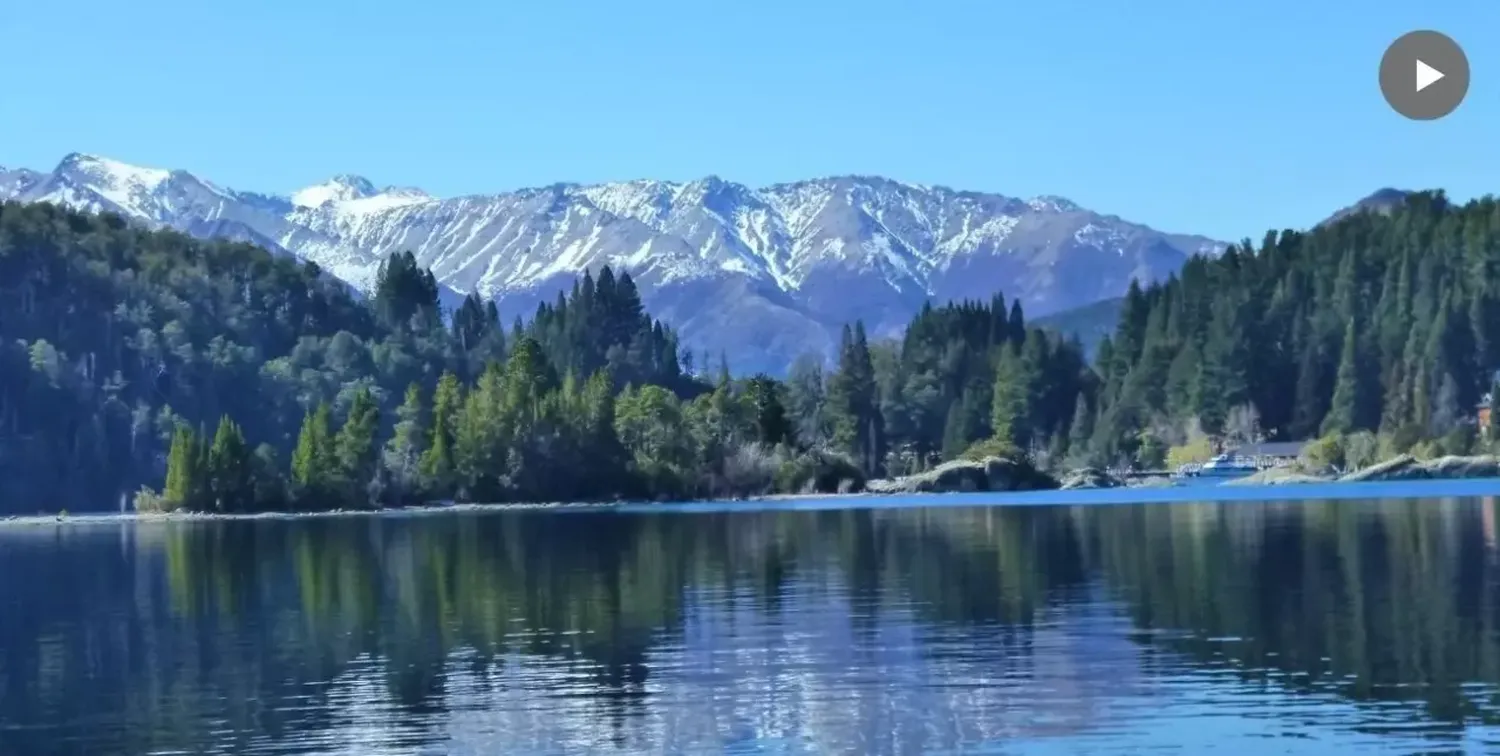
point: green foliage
(772, 427)
(356, 448)
(315, 470)
(116, 342)
(819, 471)
(184, 471)
(229, 470)
(1375, 322)
(1324, 453)
(404, 292)
(1198, 449)
(992, 447)
(968, 371)
(1011, 403)
(1361, 449)
(852, 401)
(404, 450)
(1151, 451)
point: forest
(152, 370)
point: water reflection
(1321, 624)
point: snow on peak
(337, 189)
(1052, 204)
(406, 192)
(105, 173)
(130, 188)
(354, 195)
(809, 255)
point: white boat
(1226, 466)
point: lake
(1330, 626)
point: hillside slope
(760, 274)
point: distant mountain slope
(1090, 323)
(761, 274)
(1382, 201)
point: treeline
(1377, 332)
(114, 341)
(225, 378)
(125, 352)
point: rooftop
(1270, 449)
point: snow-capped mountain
(762, 274)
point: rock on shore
(963, 476)
(1276, 476)
(1089, 477)
(1407, 467)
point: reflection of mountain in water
(888, 631)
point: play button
(1424, 75)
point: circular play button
(1424, 75)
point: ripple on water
(1030, 631)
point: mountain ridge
(764, 274)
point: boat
(1226, 466)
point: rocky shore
(1407, 467)
(995, 474)
(1404, 467)
(966, 476)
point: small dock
(1192, 469)
(1150, 473)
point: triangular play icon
(1427, 75)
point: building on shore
(1269, 453)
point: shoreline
(87, 518)
(1403, 469)
(100, 518)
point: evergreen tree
(436, 465)
(183, 473)
(315, 471)
(408, 440)
(1343, 415)
(355, 447)
(229, 469)
(806, 400)
(403, 291)
(1010, 413)
(851, 400)
(1080, 430)
(771, 424)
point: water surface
(1337, 626)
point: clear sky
(1222, 118)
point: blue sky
(1216, 118)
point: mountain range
(762, 275)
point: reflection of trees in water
(255, 619)
(254, 622)
(1377, 601)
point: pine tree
(1446, 409)
(1348, 399)
(955, 434)
(408, 440)
(480, 436)
(771, 424)
(183, 472)
(355, 447)
(852, 400)
(436, 465)
(806, 400)
(229, 469)
(1010, 412)
(1016, 322)
(314, 464)
(1080, 430)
